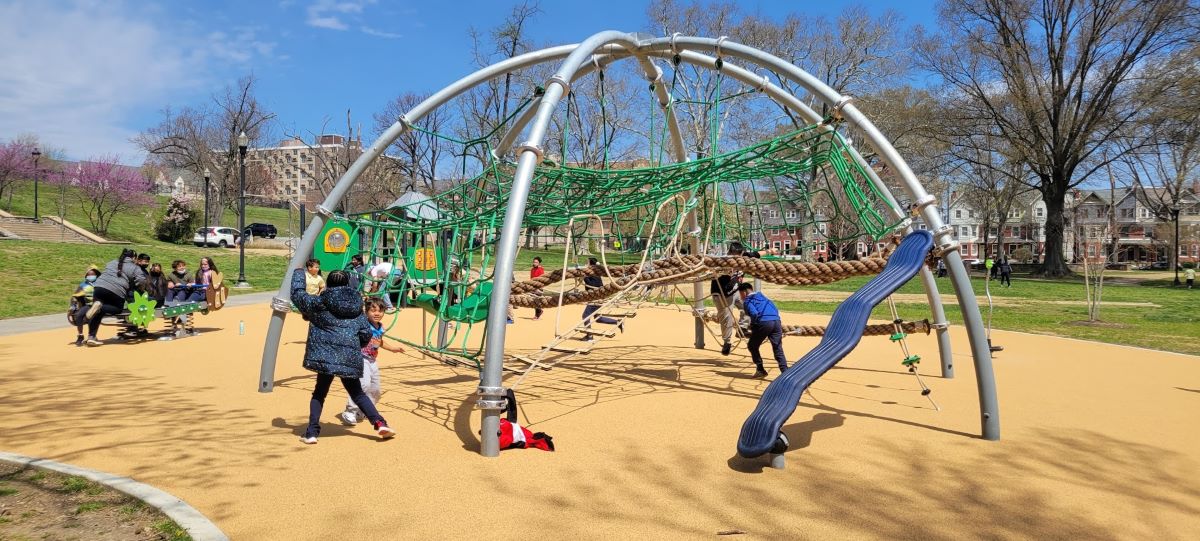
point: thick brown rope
(689, 268)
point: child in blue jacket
(337, 332)
(764, 325)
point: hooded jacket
(337, 328)
(132, 278)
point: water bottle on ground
(241, 327)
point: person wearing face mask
(82, 300)
(211, 283)
(156, 285)
(180, 288)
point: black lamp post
(243, 143)
(1175, 214)
(37, 214)
(207, 176)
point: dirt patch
(40, 504)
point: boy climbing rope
(724, 291)
(764, 325)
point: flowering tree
(179, 221)
(16, 164)
(105, 188)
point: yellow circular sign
(336, 240)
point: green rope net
(799, 194)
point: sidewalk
(9, 327)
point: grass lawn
(135, 225)
(1172, 325)
(38, 277)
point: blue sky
(88, 75)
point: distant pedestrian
(764, 325)
(535, 272)
(1190, 274)
(1005, 272)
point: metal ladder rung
(568, 349)
(530, 362)
(594, 332)
(622, 315)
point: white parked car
(217, 236)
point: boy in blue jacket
(764, 325)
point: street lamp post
(1175, 214)
(37, 155)
(207, 177)
(243, 143)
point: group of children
(106, 291)
(345, 335)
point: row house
(1140, 235)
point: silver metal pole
(491, 393)
(281, 303)
(985, 377)
(937, 309)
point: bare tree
(1053, 78)
(1164, 168)
(206, 137)
(418, 152)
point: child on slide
(337, 331)
(370, 353)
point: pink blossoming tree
(105, 188)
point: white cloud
(85, 70)
(380, 33)
(78, 70)
(328, 13)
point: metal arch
(574, 56)
(266, 378)
(984, 374)
(937, 309)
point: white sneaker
(93, 310)
(92, 342)
(347, 418)
(308, 440)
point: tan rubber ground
(1099, 441)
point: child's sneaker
(308, 440)
(79, 340)
(91, 341)
(384, 430)
(348, 418)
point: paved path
(9, 327)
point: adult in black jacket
(118, 280)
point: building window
(1091, 250)
(921, 227)
(776, 245)
(964, 231)
(1039, 212)
(772, 213)
(970, 213)
(958, 214)
(787, 247)
(791, 214)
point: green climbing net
(801, 193)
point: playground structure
(670, 213)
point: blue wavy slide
(761, 430)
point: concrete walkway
(20, 325)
